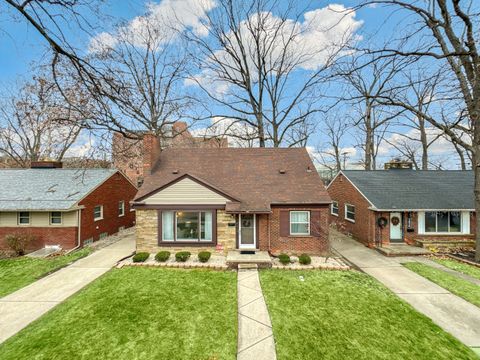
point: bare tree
(37, 123)
(449, 32)
(262, 69)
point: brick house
(63, 207)
(384, 207)
(267, 199)
(130, 154)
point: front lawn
(349, 315)
(460, 287)
(138, 313)
(461, 267)
(16, 273)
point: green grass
(349, 315)
(138, 313)
(455, 285)
(18, 272)
(461, 267)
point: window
(443, 221)
(23, 218)
(188, 226)
(299, 222)
(98, 212)
(334, 208)
(121, 208)
(55, 218)
(350, 212)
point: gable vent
(175, 171)
(282, 171)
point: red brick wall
(269, 228)
(66, 237)
(342, 191)
(115, 189)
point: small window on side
(98, 212)
(350, 212)
(334, 208)
(55, 218)
(121, 208)
(23, 218)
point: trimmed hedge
(162, 256)
(182, 256)
(284, 259)
(304, 259)
(204, 256)
(140, 257)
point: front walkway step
(255, 336)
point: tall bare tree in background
(37, 123)
(259, 66)
(449, 31)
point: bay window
(187, 226)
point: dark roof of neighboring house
(415, 189)
(249, 175)
(47, 189)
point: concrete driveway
(20, 308)
(455, 315)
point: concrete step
(246, 266)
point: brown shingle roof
(252, 175)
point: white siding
(37, 218)
(186, 191)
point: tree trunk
(475, 116)
(261, 130)
(424, 141)
(368, 138)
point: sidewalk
(20, 308)
(455, 315)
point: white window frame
(122, 204)
(346, 213)
(462, 224)
(50, 218)
(291, 222)
(331, 209)
(29, 218)
(101, 213)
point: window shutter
(284, 223)
(315, 222)
(466, 222)
(421, 222)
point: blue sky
(21, 46)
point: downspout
(79, 242)
(268, 220)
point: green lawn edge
(349, 315)
(16, 273)
(452, 283)
(460, 267)
(138, 313)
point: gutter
(416, 210)
(79, 242)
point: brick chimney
(46, 164)
(151, 152)
(398, 164)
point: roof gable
(415, 189)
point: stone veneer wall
(147, 233)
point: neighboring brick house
(268, 199)
(129, 154)
(64, 207)
(403, 206)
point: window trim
(331, 209)
(101, 213)
(122, 202)
(189, 242)
(346, 213)
(29, 218)
(50, 218)
(425, 232)
(291, 222)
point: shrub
(304, 259)
(162, 256)
(204, 256)
(140, 257)
(182, 256)
(284, 259)
(19, 242)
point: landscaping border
(463, 260)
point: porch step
(402, 250)
(260, 259)
(247, 266)
(445, 245)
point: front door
(396, 233)
(246, 228)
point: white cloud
(239, 134)
(165, 19)
(321, 36)
(83, 147)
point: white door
(396, 234)
(247, 232)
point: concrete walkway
(255, 337)
(455, 315)
(20, 308)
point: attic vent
(175, 171)
(282, 171)
(309, 169)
